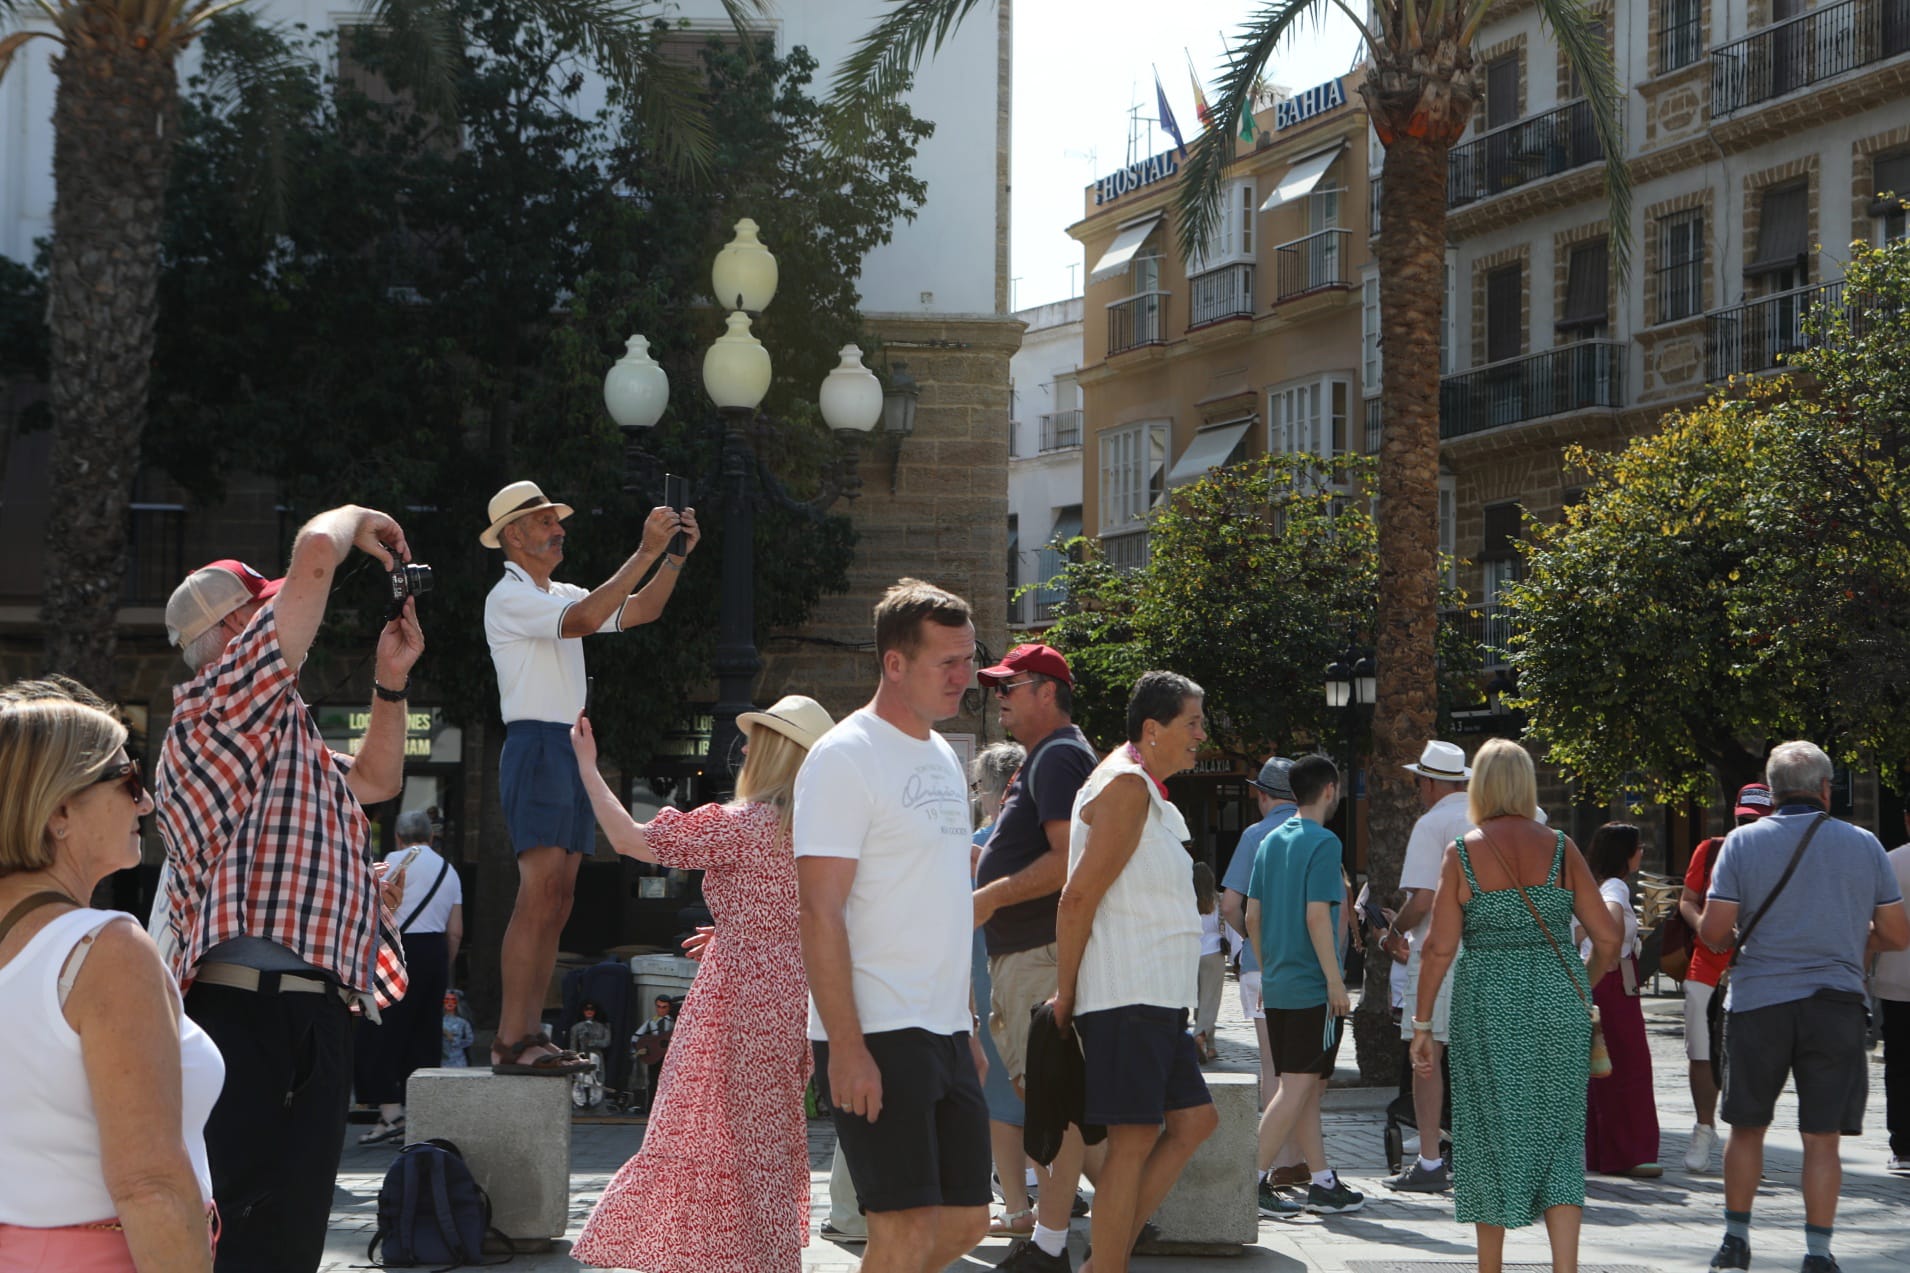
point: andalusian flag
(1200, 99)
(1246, 117)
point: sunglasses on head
(126, 775)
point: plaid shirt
(263, 837)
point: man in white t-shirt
(535, 628)
(882, 840)
(1440, 776)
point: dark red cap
(1044, 659)
(1754, 800)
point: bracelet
(398, 695)
(672, 563)
(1419, 1025)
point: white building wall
(941, 263)
(1040, 483)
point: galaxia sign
(1304, 106)
(1131, 178)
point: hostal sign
(1131, 178)
(1304, 106)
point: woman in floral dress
(721, 1183)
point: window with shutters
(1783, 240)
(1311, 417)
(1680, 265)
(1233, 234)
(1369, 334)
(1505, 320)
(1133, 474)
(1680, 33)
(1587, 270)
(1890, 179)
(1502, 90)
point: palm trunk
(1412, 258)
(113, 127)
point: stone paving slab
(1669, 1224)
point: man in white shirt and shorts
(882, 838)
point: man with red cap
(1701, 981)
(1018, 890)
(271, 913)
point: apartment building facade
(1758, 135)
(1044, 459)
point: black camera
(407, 579)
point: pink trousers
(24, 1250)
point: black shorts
(929, 1145)
(1818, 1043)
(1297, 1037)
(1139, 1062)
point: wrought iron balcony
(1573, 377)
(1807, 49)
(1519, 154)
(1375, 426)
(1136, 321)
(1223, 293)
(1060, 431)
(1310, 264)
(1754, 336)
(1487, 627)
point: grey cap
(1274, 778)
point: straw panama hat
(519, 499)
(1443, 761)
(797, 717)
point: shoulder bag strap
(1797, 855)
(444, 869)
(32, 902)
(1538, 918)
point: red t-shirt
(1706, 964)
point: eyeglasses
(127, 775)
(1006, 686)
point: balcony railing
(155, 552)
(1752, 337)
(1375, 428)
(1798, 52)
(1060, 430)
(1486, 627)
(1518, 154)
(1309, 264)
(1573, 377)
(1223, 293)
(1136, 321)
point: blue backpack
(431, 1210)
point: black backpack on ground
(431, 1211)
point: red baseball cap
(212, 592)
(1754, 800)
(1042, 659)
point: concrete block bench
(513, 1130)
(1212, 1209)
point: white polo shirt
(1426, 848)
(540, 671)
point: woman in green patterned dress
(1521, 1021)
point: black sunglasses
(126, 775)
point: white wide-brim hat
(1445, 762)
(519, 499)
(800, 719)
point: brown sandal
(560, 1063)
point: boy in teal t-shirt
(1300, 863)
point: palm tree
(116, 103)
(1420, 89)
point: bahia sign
(1304, 106)
(1131, 178)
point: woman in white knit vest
(1128, 933)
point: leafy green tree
(1741, 577)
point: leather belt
(240, 977)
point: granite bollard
(514, 1132)
(1212, 1208)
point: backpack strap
(1073, 742)
(408, 1208)
(441, 1206)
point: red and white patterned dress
(721, 1183)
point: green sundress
(1521, 1049)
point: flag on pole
(1246, 118)
(1201, 110)
(1168, 124)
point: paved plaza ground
(1668, 1224)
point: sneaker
(1698, 1152)
(1025, 1257)
(1818, 1264)
(1733, 1253)
(1278, 1204)
(1419, 1179)
(1335, 1201)
(831, 1233)
(1898, 1164)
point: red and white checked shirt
(263, 836)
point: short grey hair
(1796, 769)
(414, 827)
(993, 767)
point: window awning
(1302, 177)
(1067, 525)
(1208, 449)
(1122, 250)
(1585, 285)
(1783, 232)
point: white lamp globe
(744, 273)
(851, 396)
(736, 368)
(636, 389)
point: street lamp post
(1351, 685)
(736, 376)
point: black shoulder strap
(444, 869)
(1744, 933)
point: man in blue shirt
(1293, 920)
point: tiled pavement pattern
(1668, 1224)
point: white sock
(1432, 1164)
(1263, 1176)
(1028, 1177)
(1051, 1241)
(1326, 1179)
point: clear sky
(1079, 66)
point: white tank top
(49, 1138)
(1144, 945)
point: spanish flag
(1200, 99)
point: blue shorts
(1003, 1105)
(1140, 1062)
(544, 797)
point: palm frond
(667, 102)
(1588, 58)
(12, 44)
(1198, 200)
(880, 66)
(269, 87)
